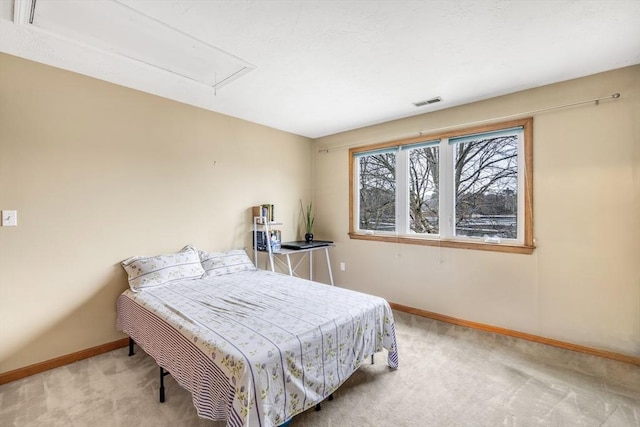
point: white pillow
(220, 263)
(145, 272)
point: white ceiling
(316, 68)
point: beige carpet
(449, 376)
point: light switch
(9, 218)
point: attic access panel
(113, 26)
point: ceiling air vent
(427, 101)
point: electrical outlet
(343, 266)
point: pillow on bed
(145, 272)
(221, 263)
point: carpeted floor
(449, 376)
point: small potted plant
(308, 221)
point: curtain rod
(478, 122)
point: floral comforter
(257, 347)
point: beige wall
(99, 173)
(582, 283)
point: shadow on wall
(90, 324)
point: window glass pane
(377, 182)
(424, 190)
(486, 186)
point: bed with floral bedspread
(255, 347)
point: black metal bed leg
(319, 407)
(131, 342)
(162, 374)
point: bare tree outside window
(486, 185)
(424, 190)
(486, 189)
(378, 192)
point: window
(377, 171)
(470, 189)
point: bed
(253, 347)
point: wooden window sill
(459, 244)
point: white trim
(446, 199)
(22, 11)
(402, 192)
(356, 194)
(522, 175)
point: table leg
(289, 265)
(326, 252)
